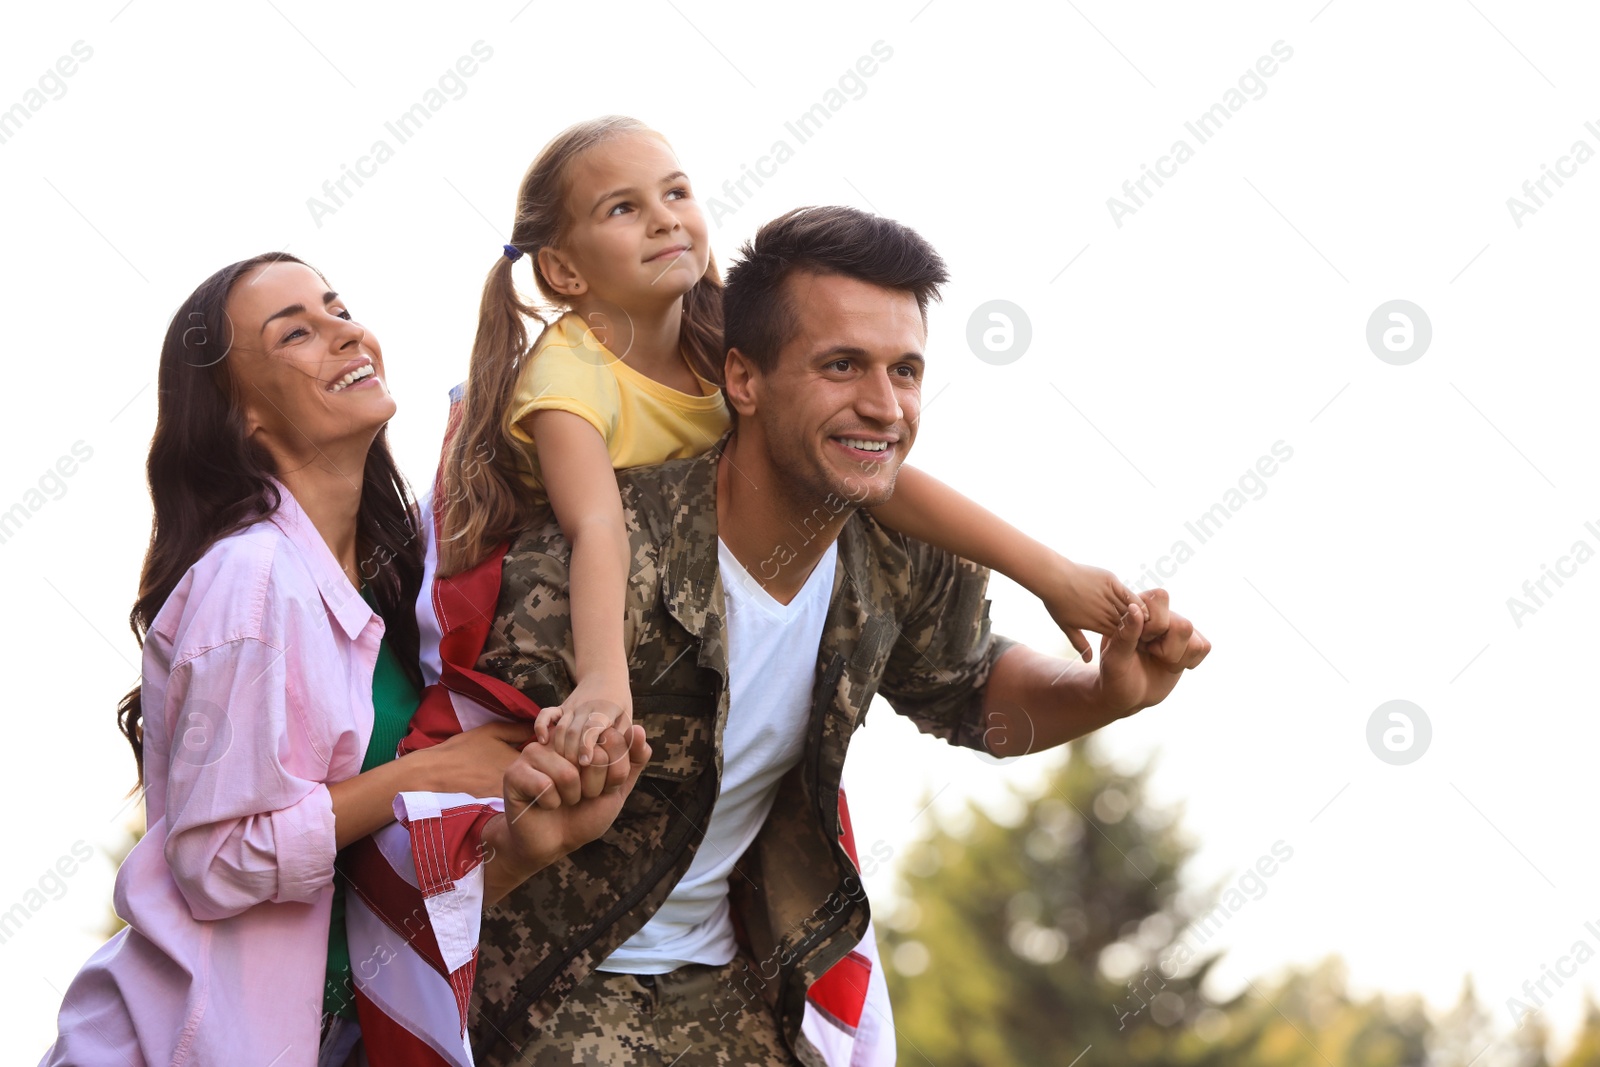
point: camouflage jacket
(906, 619)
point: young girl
(629, 376)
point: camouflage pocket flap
(680, 730)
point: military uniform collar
(689, 584)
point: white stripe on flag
(403, 985)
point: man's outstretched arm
(1033, 701)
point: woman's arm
(248, 819)
(1077, 596)
(472, 762)
(583, 492)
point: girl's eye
(617, 208)
(680, 193)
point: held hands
(474, 761)
(1086, 598)
(550, 811)
(598, 702)
(1141, 663)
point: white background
(1228, 313)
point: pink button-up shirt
(257, 685)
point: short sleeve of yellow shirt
(642, 420)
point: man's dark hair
(757, 316)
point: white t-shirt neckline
(772, 663)
(751, 586)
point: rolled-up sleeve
(243, 827)
(940, 664)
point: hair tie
(513, 253)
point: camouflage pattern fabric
(906, 620)
(694, 1016)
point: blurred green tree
(1586, 1047)
(1309, 1017)
(1031, 944)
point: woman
(279, 669)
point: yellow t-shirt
(641, 420)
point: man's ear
(560, 272)
(739, 376)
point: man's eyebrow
(298, 309)
(674, 176)
(830, 354)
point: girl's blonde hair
(481, 499)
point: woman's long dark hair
(208, 479)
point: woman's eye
(299, 330)
(680, 193)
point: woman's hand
(574, 728)
(1086, 598)
(474, 761)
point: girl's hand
(474, 761)
(1087, 598)
(575, 727)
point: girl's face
(310, 379)
(637, 237)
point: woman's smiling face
(309, 379)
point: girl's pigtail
(481, 498)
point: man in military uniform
(764, 611)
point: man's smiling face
(839, 410)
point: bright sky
(1342, 156)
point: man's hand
(1033, 701)
(547, 814)
(1140, 663)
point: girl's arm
(1078, 597)
(583, 492)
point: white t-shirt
(772, 666)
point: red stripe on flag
(393, 899)
(842, 992)
(847, 836)
(387, 1042)
(464, 605)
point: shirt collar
(343, 600)
(572, 332)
